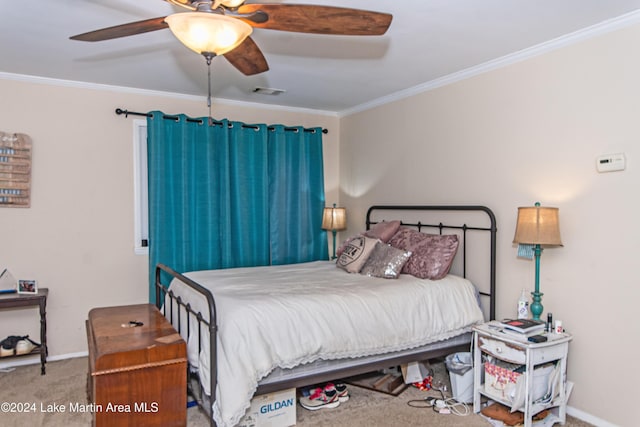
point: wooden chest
(137, 374)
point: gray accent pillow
(385, 261)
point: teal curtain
(295, 175)
(232, 195)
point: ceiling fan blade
(248, 58)
(123, 30)
(319, 19)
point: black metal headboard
(464, 221)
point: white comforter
(283, 316)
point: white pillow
(356, 253)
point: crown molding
(610, 25)
(146, 92)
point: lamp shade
(538, 225)
(205, 32)
(334, 219)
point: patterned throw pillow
(345, 243)
(385, 261)
(406, 237)
(432, 254)
(356, 253)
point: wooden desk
(137, 375)
(39, 299)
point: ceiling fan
(222, 27)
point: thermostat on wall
(611, 162)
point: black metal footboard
(173, 308)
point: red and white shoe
(321, 398)
(343, 393)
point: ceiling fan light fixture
(205, 32)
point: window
(141, 200)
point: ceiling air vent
(268, 91)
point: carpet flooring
(64, 385)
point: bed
(261, 329)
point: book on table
(521, 335)
(526, 327)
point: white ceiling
(427, 41)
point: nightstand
(500, 358)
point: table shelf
(38, 299)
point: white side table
(490, 341)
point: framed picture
(27, 287)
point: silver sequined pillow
(385, 261)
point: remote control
(537, 338)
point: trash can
(460, 367)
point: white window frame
(140, 188)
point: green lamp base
(536, 307)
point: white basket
(501, 380)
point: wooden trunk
(137, 374)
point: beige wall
(525, 133)
(77, 236)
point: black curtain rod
(120, 111)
